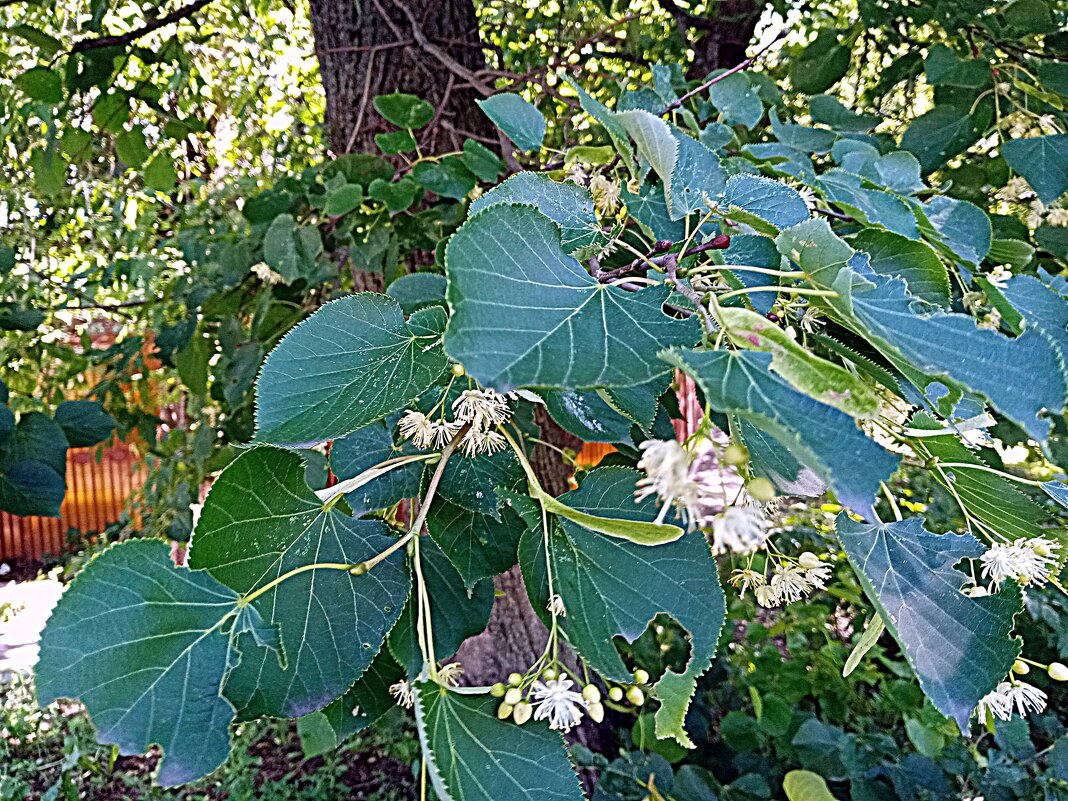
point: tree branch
(97, 42)
(744, 65)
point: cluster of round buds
(548, 696)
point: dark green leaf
(473, 756)
(478, 545)
(85, 423)
(41, 83)
(260, 521)
(456, 612)
(1043, 161)
(914, 261)
(519, 119)
(614, 587)
(448, 177)
(352, 362)
(403, 110)
(576, 332)
(133, 637)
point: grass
(51, 754)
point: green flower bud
(548, 674)
(761, 489)
(591, 694)
(595, 711)
(515, 679)
(736, 455)
(636, 696)
(641, 676)
(1058, 671)
(497, 690)
(458, 369)
(513, 696)
(1020, 667)
(522, 712)
(504, 710)
(615, 693)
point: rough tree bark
(722, 34)
(372, 47)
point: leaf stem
(245, 600)
(823, 293)
(996, 472)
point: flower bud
(641, 676)
(809, 560)
(1058, 671)
(977, 592)
(504, 710)
(548, 674)
(591, 694)
(1020, 667)
(736, 455)
(522, 712)
(636, 696)
(458, 369)
(497, 690)
(615, 693)
(595, 711)
(513, 696)
(1041, 549)
(761, 489)
(515, 679)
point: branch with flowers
(839, 326)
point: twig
(712, 81)
(152, 25)
(671, 267)
(720, 242)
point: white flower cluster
(1028, 561)
(483, 409)
(699, 489)
(558, 703)
(1010, 696)
(790, 581)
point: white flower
(767, 595)
(745, 579)
(1057, 217)
(417, 427)
(477, 441)
(790, 582)
(817, 572)
(739, 529)
(1026, 698)
(267, 275)
(450, 673)
(999, 276)
(1034, 217)
(482, 408)
(809, 196)
(997, 702)
(605, 195)
(667, 466)
(402, 694)
(1048, 124)
(811, 320)
(1016, 189)
(556, 606)
(558, 702)
(1027, 561)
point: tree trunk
(721, 35)
(372, 47)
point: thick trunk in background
(721, 35)
(373, 47)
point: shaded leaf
(959, 647)
(518, 118)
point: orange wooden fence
(99, 480)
